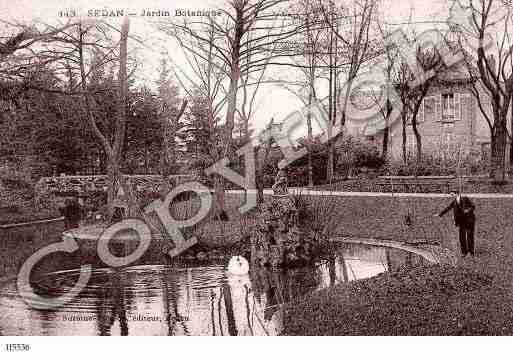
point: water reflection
(163, 300)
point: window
(450, 107)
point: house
(449, 120)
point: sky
(272, 101)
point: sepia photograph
(305, 168)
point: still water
(193, 300)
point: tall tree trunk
(227, 140)
(384, 148)
(403, 120)
(330, 164)
(113, 185)
(498, 150)
(309, 142)
(220, 207)
(111, 191)
(333, 141)
(164, 160)
(386, 132)
(511, 143)
(331, 155)
(418, 142)
(113, 150)
(331, 161)
(116, 178)
(259, 173)
(331, 125)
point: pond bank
(432, 300)
(478, 306)
(472, 298)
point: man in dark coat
(464, 219)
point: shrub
(355, 157)
(317, 214)
(439, 165)
(14, 188)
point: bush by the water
(319, 217)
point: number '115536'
(17, 347)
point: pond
(156, 299)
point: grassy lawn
(473, 298)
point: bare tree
(251, 83)
(113, 147)
(391, 60)
(262, 156)
(246, 31)
(490, 31)
(412, 95)
(207, 79)
(355, 38)
(333, 72)
(311, 40)
(23, 53)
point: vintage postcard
(255, 168)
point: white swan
(238, 265)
